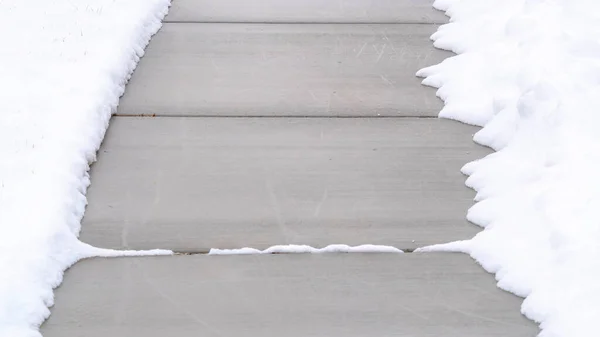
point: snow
(529, 73)
(297, 249)
(64, 66)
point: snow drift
(64, 66)
(528, 71)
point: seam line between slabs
(303, 23)
(268, 116)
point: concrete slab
(309, 11)
(285, 295)
(191, 184)
(288, 70)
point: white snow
(297, 249)
(529, 72)
(64, 66)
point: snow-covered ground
(529, 72)
(64, 66)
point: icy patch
(297, 249)
(64, 66)
(529, 73)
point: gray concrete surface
(306, 11)
(288, 70)
(197, 182)
(431, 295)
(191, 184)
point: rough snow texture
(529, 72)
(64, 66)
(297, 249)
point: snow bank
(529, 72)
(64, 66)
(296, 249)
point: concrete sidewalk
(259, 123)
(353, 295)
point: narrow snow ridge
(296, 249)
(528, 71)
(64, 66)
(87, 251)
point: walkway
(260, 123)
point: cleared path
(190, 184)
(353, 295)
(283, 121)
(219, 69)
(305, 11)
